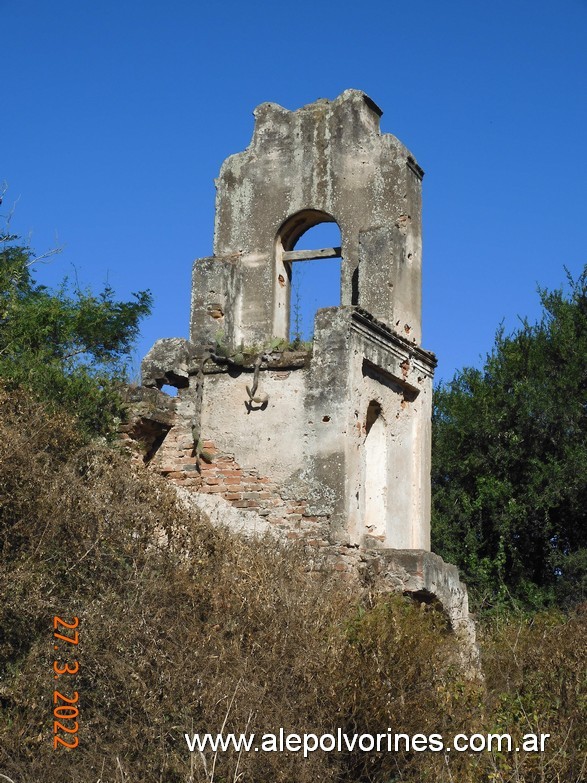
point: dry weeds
(236, 635)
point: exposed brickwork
(242, 487)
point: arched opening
(375, 510)
(315, 282)
(307, 273)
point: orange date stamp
(65, 712)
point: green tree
(68, 346)
(509, 475)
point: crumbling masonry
(331, 444)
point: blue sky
(117, 115)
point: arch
(375, 476)
(285, 255)
(297, 225)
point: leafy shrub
(68, 347)
(509, 477)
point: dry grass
(235, 634)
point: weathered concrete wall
(273, 439)
(312, 434)
(327, 161)
(396, 378)
(311, 437)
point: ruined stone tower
(333, 442)
(327, 443)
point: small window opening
(315, 279)
(172, 391)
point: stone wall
(329, 446)
(310, 434)
(252, 503)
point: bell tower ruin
(340, 429)
(326, 442)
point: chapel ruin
(328, 444)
